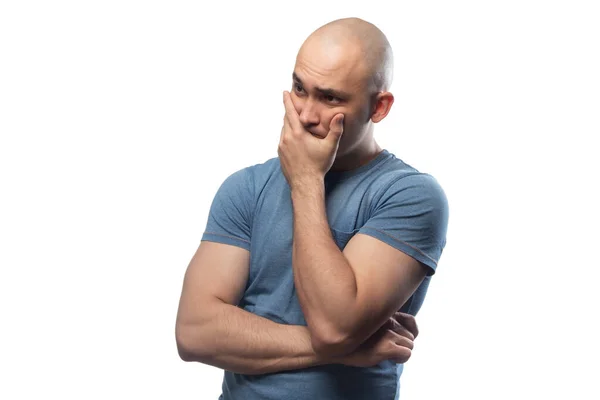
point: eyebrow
(324, 91)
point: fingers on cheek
(282, 134)
(284, 138)
(288, 125)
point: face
(326, 83)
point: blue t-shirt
(385, 198)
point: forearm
(239, 341)
(325, 282)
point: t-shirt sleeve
(231, 211)
(412, 216)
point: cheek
(349, 117)
(326, 120)
(351, 124)
(352, 130)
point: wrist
(325, 359)
(307, 185)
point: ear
(381, 106)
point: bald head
(357, 43)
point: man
(306, 259)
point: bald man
(313, 264)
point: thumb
(336, 128)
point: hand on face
(302, 155)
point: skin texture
(353, 56)
(345, 297)
(210, 328)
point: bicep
(385, 279)
(217, 272)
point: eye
(332, 99)
(298, 87)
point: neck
(358, 156)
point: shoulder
(253, 176)
(409, 212)
(399, 181)
(417, 186)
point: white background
(120, 119)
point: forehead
(336, 66)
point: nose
(309, 115)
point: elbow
(185, 356)
(183, 350)
(184, 353)
(187, 350)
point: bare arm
(346, 296)
(211, 329)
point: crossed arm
(345, 296)
(212, 330)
